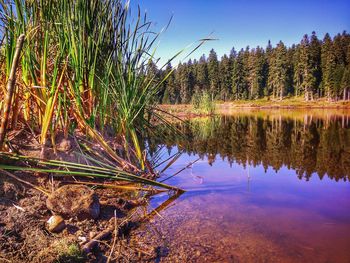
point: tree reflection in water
(308, 145)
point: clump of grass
(69, 169)
(202, 102)
(62, 250)
(69, 253)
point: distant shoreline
(187, 111)
(247, 106)
(290, 103)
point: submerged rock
(74, 201)
(55, 224)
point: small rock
(74, 201)
(65, 145)
(82, 239)
(55, 224)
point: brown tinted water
(268, 187)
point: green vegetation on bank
(202, 102)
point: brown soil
(24, 236)
(23, 215)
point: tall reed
(85, 62)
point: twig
(122, 187)
(103, 235)
(92, 243)
(10, 90)
(188, 166)
(25, 182)
(115, 236)
(161, 207)
(81, 151)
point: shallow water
(269, 186)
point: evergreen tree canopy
(313, 68)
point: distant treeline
(313, 68)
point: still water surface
(266, 187)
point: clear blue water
(265, 189)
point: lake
(261, 186)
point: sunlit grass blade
(75, 169)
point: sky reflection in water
(271, 200)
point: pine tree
(307, 70)
(233, 55)
(256, 63)
(171, 88)
(213, 73)
(278, 71)
(329, 68)
(340, 48)
(269, 60)
(166, 97)
(239, 77)
(152, 71)
(297, 71)
(181, 80)
(345, 85)
(315, 61)
(154, 75)
(290, 70)
(202, 74)
(225, 70)
(191, 79)
(341, 44)
(339, 73)
(326, 48)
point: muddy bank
(89, 233)
(24, 234)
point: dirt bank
(24, 234)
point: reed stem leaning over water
(10, 90)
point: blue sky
(241, 23)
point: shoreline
(186, 111)
(262, 104)
(288, 103)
